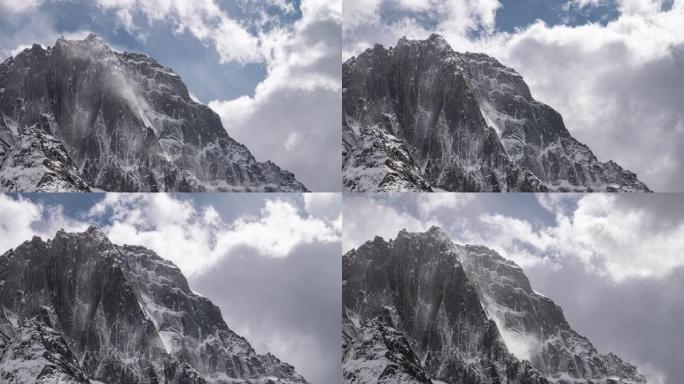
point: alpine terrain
(79, 116)
(79, 309)
(422, 309)
(422, 117)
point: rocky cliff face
(123, 122)
(466, 123)
(90, 310)
(421, 305)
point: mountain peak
(488, 134)
(478, 313)
(165, 141)
(434, 229)
(438, 40)
(93, 37)
(123, 317)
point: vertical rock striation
(420, 116)
(118, 314)
(122, 122)
(420, 306)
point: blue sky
(269, 68)
(614, 263)
(612, 68)
(269, 261)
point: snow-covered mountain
(80, 116)
(79, 309)
(421, 117)
(422, 309)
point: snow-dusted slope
(33, 160)
(467, 123)
(36, 354)
(127, 315)
(381, 354)
(127, 123)
(467, 314)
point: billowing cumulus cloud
(294, 117)
(22, 218)
(615, 242)
(151, 220)
(203, 18)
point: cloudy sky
(614, 263)
(612, 68)
(270, 262)
(269, 68)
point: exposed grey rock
(381, 354)
(535, 324)
(467, 123)
(126, 314)
(468, 315)
(36, 354)
(36, 161)
(126, 122)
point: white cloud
(368, 217)
(204, 19)
(323, 205)
(21, 219)
(16, 218)
(429, 204)
(294, 117)
(19, 6)
(610, 240)
(196, 238)
(610, 82)
(611, 237)
(587, 3)
(365, 26)
(358, 12)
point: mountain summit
(81, 116)
(78, 309)
(422, 117)
(421, 309)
